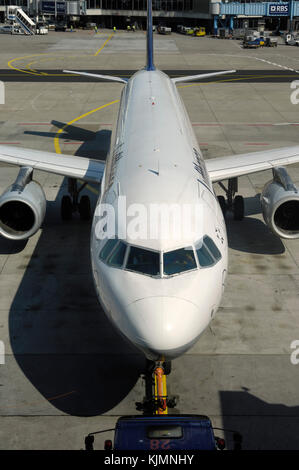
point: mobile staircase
(24, 22)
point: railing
(25, 22)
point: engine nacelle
(22, 207)
(280, 205)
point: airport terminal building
(213, 14)
(109, 13)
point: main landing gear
(232, 203)
(70, 203)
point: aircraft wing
(201, 76)
(96, 75)
(71, 166)
(223, 168)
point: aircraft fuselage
(160, 292)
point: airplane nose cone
(164, 327)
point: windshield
(178, 261)
(212, 247)
(117, 256)
(144, 261)
(207, 252)
(107, 249)
(165, 432)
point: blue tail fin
(149, 39)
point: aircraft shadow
(70, 132)
(253, 205)
(263, 426)
(60, 337)
(95, 144)
(8, 247)
(252, 235)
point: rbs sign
(278, 9)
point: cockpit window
(117, 256)
(204, 256)
(115, 253)
(178, 261)
(107, 249)
(207, 252)
(144, 261)
(212, 247)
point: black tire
(167, 367)
(222, 203)
(66, 208)
(84, 208)
(238, 208)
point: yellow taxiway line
(56, 138)
(22, 70)
(101, 48)
(33, 72)
(60, 131)
(251, 77)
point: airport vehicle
(6, 29)
(291, 39)
(22, 23)
(172, 432)
(197, 31)
(189, 31)
(89, 25)
(238, 33)
(180, 28)
(60, 26)
(200, 32)
(163, 29)
(148, 285)
(255, 39)
(50, 25)
(271, 42)
(251, 42)
(42, 28)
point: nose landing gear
(233, 203)
(156, 401)
(71, 203)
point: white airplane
(160, 293)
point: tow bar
(156, 401)
(160, 393)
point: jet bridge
(224, 12)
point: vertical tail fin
(149, 38)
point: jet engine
(22, 207)
(280, 205)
